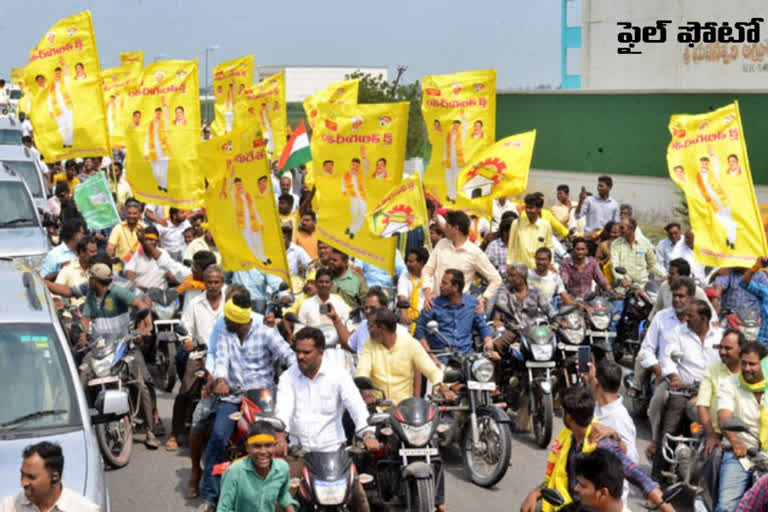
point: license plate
(482, 386)
(103, 380)
(537, 364)
(417, 451)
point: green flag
(95, 202)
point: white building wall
(303, 81)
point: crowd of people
(463, 272)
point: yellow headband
(261, 438)
(151, 236)
(236, 314)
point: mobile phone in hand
(584, 358)
(324, 309)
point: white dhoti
(358, 209)
(451, 178)
(160, 172)
(66, 126)
(229, 118)
(254, 243)
(725, 218)
(270, 142)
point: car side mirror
(110, 405)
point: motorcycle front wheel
(487, 463)
(116, 441)
(421, 495)
(542, 416)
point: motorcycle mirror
(433, 326)
(565, 310)
(677, 356)
(275, 423)
(552, 496)
(735, 425)
(403, 304)
(386, 403)
(620, 270)
(291, 317)
(451, 375)
(364, 383)
(283, 287)
(378, 419)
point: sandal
(159, 428)
(171, 444)
(151, 442)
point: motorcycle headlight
(330, 493)
(542, 352)
(101, 366)
(601, 321)
(573, 320)
(574, 336)
(482, 369)
(417, 436)
(749, 332)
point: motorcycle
(685, 456)
(598, 323)
(641, 397)
(638, 303)
(255, 405)
(569, 338)
(168, 333)
(109, 369)
(746, 320)
(408, 465)
(473, 421)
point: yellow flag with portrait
(134, 62)
(115, 84)
(500, 170)
(67, 102)
(707, 159)
(460, 114)
(163, 135)
(230, 79)
(241, 208)
(264, 103)
(358, 153)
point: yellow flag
(264, 103)
(358, 153)
(115, 84)
(132, 59)
(402, 209)
(500, 170)
(67, 103)
(163, 135)
(460, 114)
(25, 102)
(338, 93)
(707, 159)
(240, 204)
(230, 79)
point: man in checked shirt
(245, 357)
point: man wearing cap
(246, 353)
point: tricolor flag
(297, 150)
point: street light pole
(207, 51)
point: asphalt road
(155, 480)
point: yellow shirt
(525, 238)
(72, 275)
(562, 212)
(292, 219)
(124, 239)
(307, 242)
(710, 384)
(392, 371)
(546, 214)
(62, 176)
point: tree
(374, 89)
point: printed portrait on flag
(65, 84)
(230, 79)
(707, 159)
(264, 103)
(240, 204)
(358, 153)
(115, 84)
(460, 114)
(163, 135)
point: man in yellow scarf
(742, 396)
(575, 438)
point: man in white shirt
(653, 346)
(4, 96)
(501, 206)
(285, 188)
(206, 308)
(324, 308)
(548, 283)
(142, 269)
(26, 125)
(605, 381)
(678, 267)
(684, 250)
(172, 235)
(311, 398)
(298, 259)
(41, 469)
(665, 247)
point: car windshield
(37, 389)
(29, 173)
(16, 208)
(10, 137)
(16, 94)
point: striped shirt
(111, 314)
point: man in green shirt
(257, 482)
(350, 286)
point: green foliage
(374, 89)
(682, 208)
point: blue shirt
(219, 328)
(760, 291)
(250, 364)
(259, 284)
(736, 297)
(358, 338)
(55, 258)
(457, 323)
(375, 276)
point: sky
(520, 38)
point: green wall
(620, 133)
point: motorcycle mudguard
(418, 470)
(544, 386)
(494, 412)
